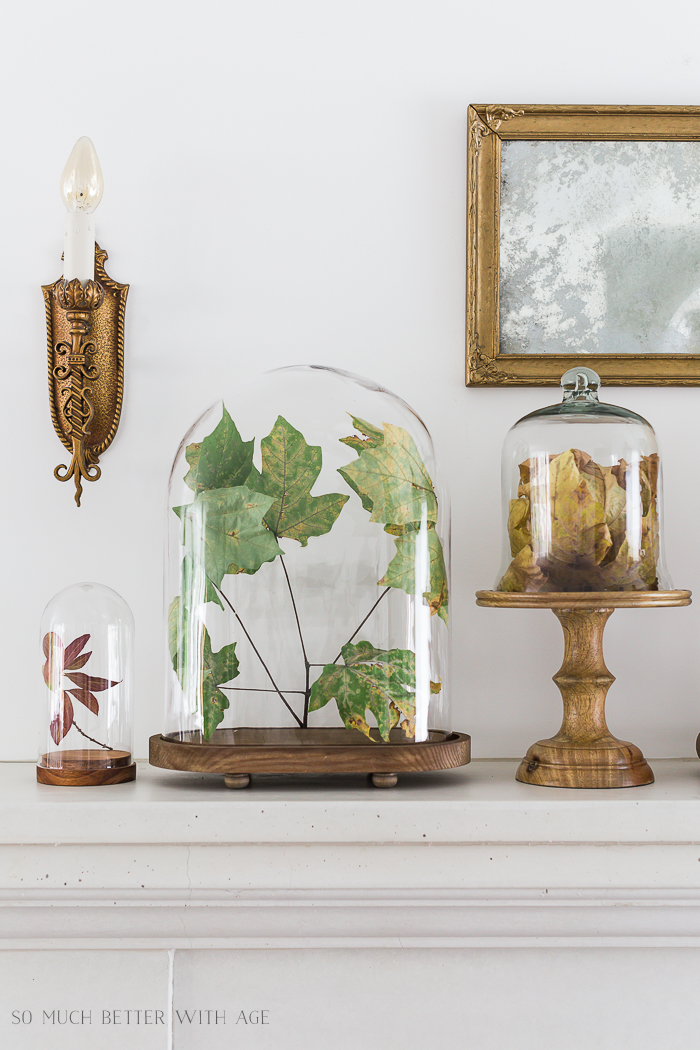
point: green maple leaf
(372, 436)
(392, 481)
(196, 585)
(194, 662)
(377, 680)
(224, 530)
(290, 469)
(176, 630)
(217, 669)
(222, 461)
(401, 572)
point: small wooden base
(85, 768)
(584, 753)
(238, 753)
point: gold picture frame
(488, 128)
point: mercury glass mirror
(583, 244)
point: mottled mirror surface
(600, 247)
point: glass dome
(307, 578)
(581, 485)
(87, 633)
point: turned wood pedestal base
(584, 753)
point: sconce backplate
(96, 394)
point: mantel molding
(379, 919)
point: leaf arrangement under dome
(586, 526)
(65, 662)
(233, 525)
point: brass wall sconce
(85, 330)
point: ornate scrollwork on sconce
(85, 330)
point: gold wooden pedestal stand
(584, 754)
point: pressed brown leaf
(50, 640)
(523, 574)
(63, 719)
(74, 648)
(519, 525)
(79, 662)
(87, 698)
(620, 472)
(53, 651)
(86, 681)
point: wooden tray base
(238, 753)
(86, 768)
(584, 753)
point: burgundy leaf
(74, 648)
(86, 681)
(86, 697)
(79, 661)
(53, 651)
(51, 641)
(63, 720)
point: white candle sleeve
(79, 247)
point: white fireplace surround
(468, 858)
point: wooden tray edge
(272, 758)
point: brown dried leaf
(589, 549)
(86, 681)
(87, 698)
(62, 720)
(523, 574)
(519, 525)
(79, 661)
(73, 648)
(53, 651)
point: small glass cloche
(87, 633)
(581, 485)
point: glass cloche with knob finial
(307, 584)
(582, 506)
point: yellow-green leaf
(376, 680)
(420, 551)
(392, 481)
(371, 435)
(290, 469)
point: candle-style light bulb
(81, 188)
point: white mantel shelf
(466, 857)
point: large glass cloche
(582, 505)
(307, 584)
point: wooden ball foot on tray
(384, 780)
(236, 780)
(584, 753)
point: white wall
(285, 182)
